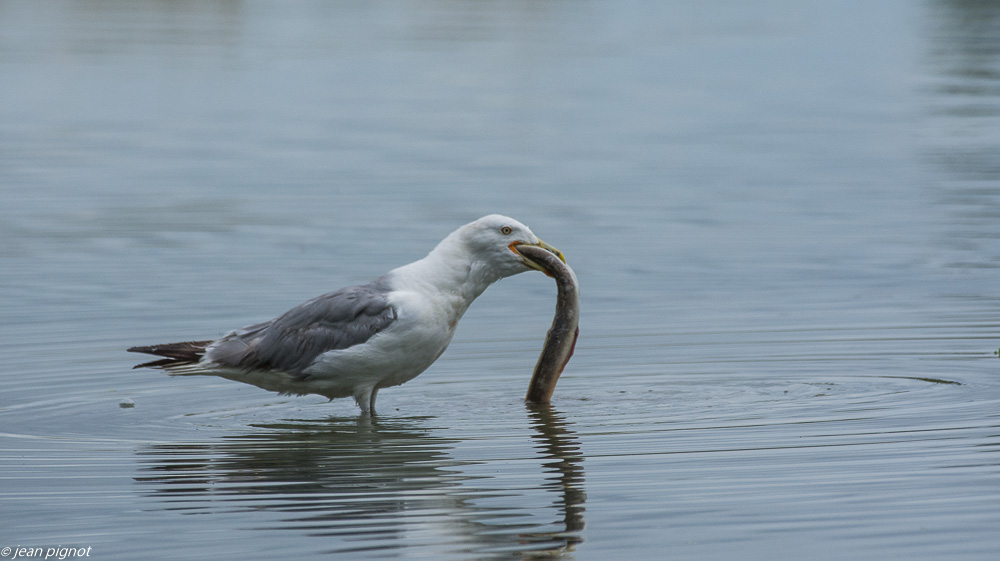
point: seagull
(357, 340)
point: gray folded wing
(291, 342)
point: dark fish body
(561, 338)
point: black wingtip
(162, 363)
(175, 354)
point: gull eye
(506, 230)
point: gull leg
(365, 398)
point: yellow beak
(540, 244)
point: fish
(560, 341)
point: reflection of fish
(561, 338)
(360, 339)
(563, 450)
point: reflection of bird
(360, 339)
(365, 486)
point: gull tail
(175, 354)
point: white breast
(421, 332)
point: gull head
(494, 240)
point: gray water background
(785, 218)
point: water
(783, 216)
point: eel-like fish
(561, 338)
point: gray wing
(291, 342)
